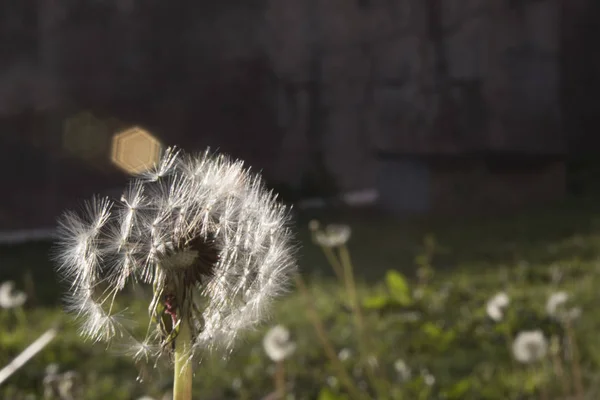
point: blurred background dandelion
(441, 157)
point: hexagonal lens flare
(135, 150)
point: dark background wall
(296, 87)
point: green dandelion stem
(280, 380)
(182, 386)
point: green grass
(442, 329)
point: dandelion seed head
(428, 378)
(332, 381)
(496, 305)
(202, 230)
(278, 344)
(530, 346)
(52, 369)
(345, 354)
(9, 297)
(333, 235)
(555, 302)
(574, 313)
(556, 307)
(403, 370)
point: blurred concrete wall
(418, 77)
(277, 82)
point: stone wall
(281, 83)
(418, 77)
(279, 80)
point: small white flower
(496, 305)
(69, 385)
(236, 384)
(52, 369)
(573, 313)
(332, 381)
(428, 378)
(50, 383)
(277, 343)
(344, 354)
(556, 274)
(530, 346)
(555, 302)
(333, 235)
(61, 386)
(403, 370)
(372, 361)
(10, 298)
(555, 307)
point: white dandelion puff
(278, 344)
(403, 370)
(9, 297)
(555, 302)
(573, 313)
(334, 235)
(496, 305)
(530, 346)
(345, 354)
(213, 244)
(332, 381)
(556, 307)
(428, 377)
(52, 369)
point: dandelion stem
(346, 262)
(540, 371)
(334, 262)
(28, 354)
(329, 351)
(560, 373)
(182, 387)
(280, 380)
(575, 362)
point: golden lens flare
(135, 150)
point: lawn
(426, 331)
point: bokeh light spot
(135, 150)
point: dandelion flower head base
(214, 245)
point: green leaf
(398, 287)
(327, 394)
(458, 390)
(432, 330)
(376, 302)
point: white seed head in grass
(334, 235)
(9, 297)
(496, 305)
(556, 307)
(555, 302)
(530, 346)
(201, 231)
(402, 370)
(278, 343)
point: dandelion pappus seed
(201, 230)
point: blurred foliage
(423, 286)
